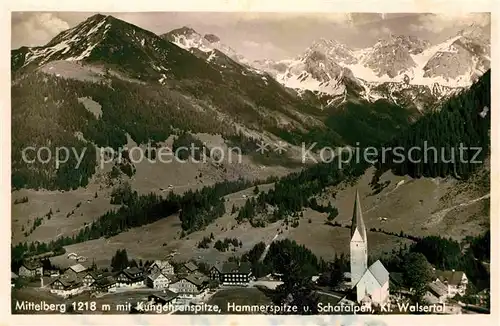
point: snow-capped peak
(188, 39)
(74, 44)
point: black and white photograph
(264, 163)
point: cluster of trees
(416, 261)
(205, 242)
(463, 121)
(120, 261)
(246, 144)
(297, 264)
(293, 192)
(362, 123)
(401, 234)
(21, 200)
(224, 244)
(24, 250)
(190, 146)
(36, 223)
(123, 194)
(332, 211)
(480, 246)
(446, 253)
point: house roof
(438, 288)
(218, 267)
(197, 279)
(13, 275)
(154, 276)
(93, 274)
(450, 277)
(190, 266)
(104, 281)
(132, 273)
(63, 262)
(164, 297)
(379, 272)
(133, 270)
(78, 268)
(67, 282)
(162, 264)
(232, 267)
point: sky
(262, 35)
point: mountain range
(151, 86)
(401, 68)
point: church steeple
(357, 222)
(359, 243)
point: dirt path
(437, 217)
(267, 247)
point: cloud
(258, 50)
(250, 44)
(32, 29)
(380, 32)
(438, 22)
(265, 46)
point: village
(365, 288)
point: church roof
(379, 272)
(357, 219)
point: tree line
(431, 146)
(196, 208)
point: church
(369, 284)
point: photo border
(402, 6)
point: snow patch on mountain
(401, 66)
(188, 39)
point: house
(215, 272)
(72, 255)
(66, 286)
(81, 259)
(370, 282)
(130, 277)
(157, 280)
(31, 269)
(163, 298)
(162, 266)
(89, 279)
(190, 286)
(234, 274)
(188, 268)
(105, 284)
(75, 271)
(438, 292)
(455, 281)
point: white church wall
(359, 257)
(369, 285)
